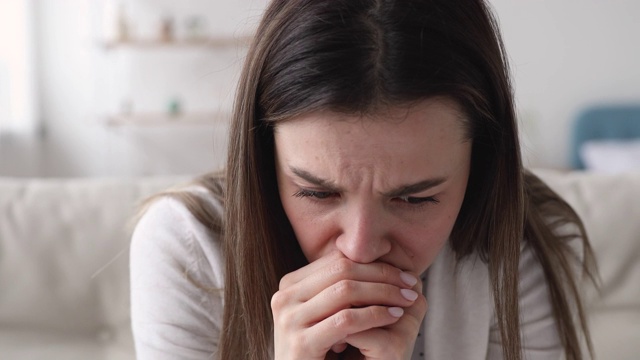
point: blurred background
(113, 88)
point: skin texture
(372, 201)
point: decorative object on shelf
(123, 31)
(174, 107)
(204, 42)
(166, 30)
(195, 28)
(153, 119)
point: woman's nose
(364, 236)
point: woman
(373, 172)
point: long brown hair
(355, 56)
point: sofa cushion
(32, 344)
(609, 205)
(64, 266)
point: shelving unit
(163, 119)
(213, 42)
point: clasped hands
(373, 311)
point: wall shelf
(163, 119)
(211, 42)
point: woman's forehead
(431, 113)
(429, 141)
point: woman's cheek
(314, 236)
(428, 240)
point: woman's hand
(334, 302)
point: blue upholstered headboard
(602, 123)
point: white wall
(565, 55)
(81, 84)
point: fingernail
(409, 294)
(396, 311)
(408, 278)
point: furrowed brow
(415, 188)
(313, 179)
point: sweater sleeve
(176, 285)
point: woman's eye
(314, 194)
(413, 200)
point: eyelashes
(320, 195)
(412, 201)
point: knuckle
(279, 300)
(386, 270)
(344, 319)
(341, 266)
(285, 282)
(285, 319)
(344, 288)
(375, 314)
(422, 304)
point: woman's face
(386, 189)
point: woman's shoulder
(177, 274)
(183, 226)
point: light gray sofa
(64, 272)
(64, 286)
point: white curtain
(18, 91)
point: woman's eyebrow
(315, 180)
(423, 185)
(403, 190)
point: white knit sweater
(173, 318)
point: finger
(336, 328)
(380, 343)
(338, 348)
(307, 282)
(348, 293)
(414, 315)
(331, 270)
(346, 296)
(296, 276)
(399, 337)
